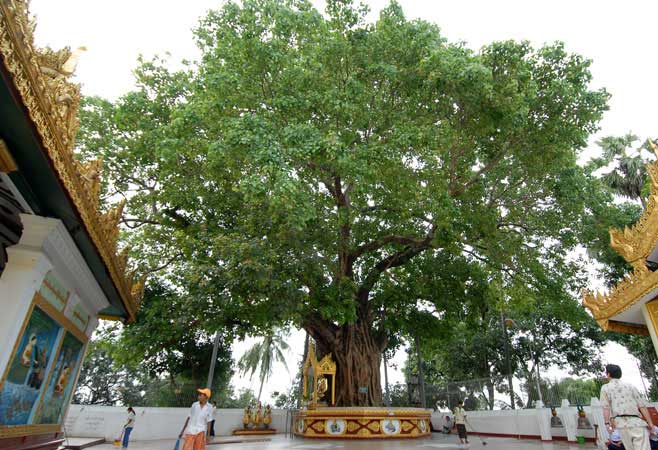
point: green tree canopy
(309, 165)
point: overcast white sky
(619, 37)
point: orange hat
(205, 392)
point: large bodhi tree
(296, 170)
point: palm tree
(262, 355)
(630, 176)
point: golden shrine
(319, 380)
(321, 419)
(632, 305)
(60, 268)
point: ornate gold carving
(41, 77)
(629, 291)
(352, 426)
(374, 427)
(90, 175)
(623, 327)
(365, 422)
(110, 224)
(325, 367)
(122, 260)
(407, 426)
(636, 243)
(7, 163)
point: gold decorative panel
(363, 423)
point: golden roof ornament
(41, 78)
(90, 174)
(634, 244)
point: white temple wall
(150, 423)
(166, 423)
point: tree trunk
(421, 375)
(490, 394)
(300, 387)
(358, 360)
(260, 390)
(387, 399)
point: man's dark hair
(460, 402)
(613, 370)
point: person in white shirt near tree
(198, 421)
(622, 406)
(460, 422)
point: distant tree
(577, 391)
(99, 380)
(287, 400)
(102, 381)
(171, 346)
(628, 177)
(263, 355)
(244, 398)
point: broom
(117, 442)
(473, 431)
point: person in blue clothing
(653, 439)
(615, 443)
(128, 427)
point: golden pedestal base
(253, 432)
(363, 423)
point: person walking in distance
(212, 422)
(622, 405)
(460, 422)
(128, 427)
(197, 423)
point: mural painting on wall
(25, 378)
(61, 383)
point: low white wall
(166, 423)
(509, 422)
(150, 423)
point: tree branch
(381, 242)
(137, 222)
(163, 266)
(321, 329)
(493, 162)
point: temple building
(60, 270)
(632, 305)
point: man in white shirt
(198, 422)
(622, 405)
(460, 421)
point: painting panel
(62, 381)
(28, 368)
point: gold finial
(110, 223)
(90, 173)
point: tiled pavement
(437, 441)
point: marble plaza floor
(437, 441)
